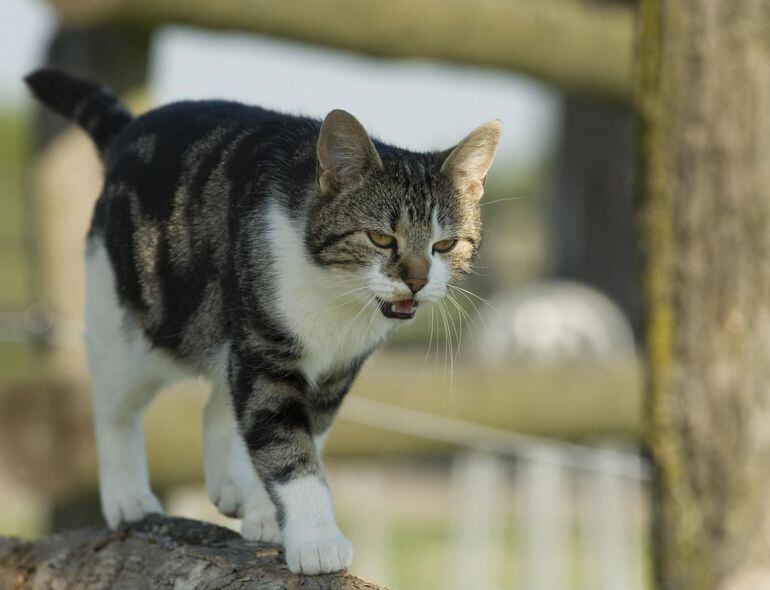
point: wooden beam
(580, 47)
(38, 420)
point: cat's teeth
(403, 306)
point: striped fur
(231, 241)
(91, 106)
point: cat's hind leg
(231, 480)
(124, 485)
(126, 374)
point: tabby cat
(271, 254)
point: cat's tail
(95, 108)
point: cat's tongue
(404, 306)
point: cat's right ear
(468, 163)
(345, 152)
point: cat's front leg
(231, 482)
(326, 399)
(276, 426)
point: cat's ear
(345, 152)
(468, 163)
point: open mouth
(399, 310)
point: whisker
(502, 200)
(486, 302)
(357, 298)
(371, 319)
(463, 315)
(479, 274)
(458, 335)
(349, 291)
(452, 353)
(443, 321)
(341, 305)
(355, 317)
(448, 350)
(430, 340)
(478, 313)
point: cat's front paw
(261, 527)
(322, 555)
(228, 496)
(128, 507)
(260, 520)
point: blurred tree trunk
(592, 211)
(116, 57)
(64, 185)
(703, 96)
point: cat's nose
(416, 283)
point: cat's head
(397, 226)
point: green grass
(17, 360)
(420, 555)
(15, 281)
(420, 550)
(13, 223)
(14, 149)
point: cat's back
(169, 140)
(175, 179)
(185, 149)
(184, 121)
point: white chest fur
(334, 326)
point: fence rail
(579, 513)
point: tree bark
(156, 552)
(703, 94)
(581, 47)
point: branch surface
(157, 552)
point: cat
(271, 254)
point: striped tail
(95, 108)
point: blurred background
(493, 443)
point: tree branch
(157, 552)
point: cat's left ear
(468, 163)
(345, 152)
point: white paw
(128, 507)
(261, 527)
(227, 495)
(230, 476)
(321, 555)
(260, 521)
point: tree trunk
(703, 96)
(156, 552)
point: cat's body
(250, 247)
(221, 199)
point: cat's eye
(381, 240)
(444, 245)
